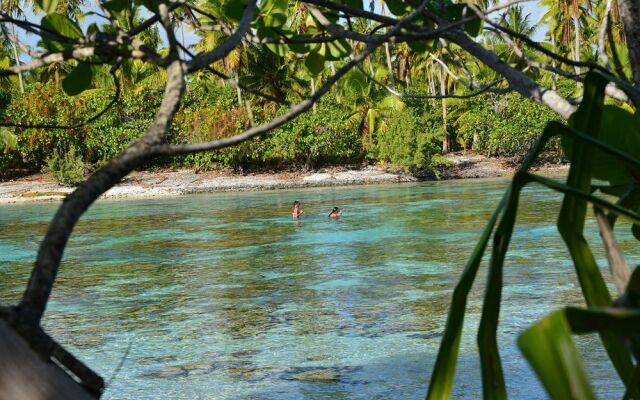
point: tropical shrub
(502, 125)
(67, 168)
(410, 141)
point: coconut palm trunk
(392, 79)
(238, 90)
(16, 56)
(313, 92)
(387, 53)
(446, 145)
(554, 76)
(576, 32)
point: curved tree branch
(518, 81)
(205, 59)
(51, 249)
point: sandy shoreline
(173, 183)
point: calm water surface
(225, 297)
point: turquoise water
(224, 297)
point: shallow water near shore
(223, 296)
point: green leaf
(279, 6)
(300, 48)
(278, 48)
(549, 348)
(493, 385)
(92, 28)
(274, 12)
(264, 31)
(8, 141)
(275, 19)
(62, 25)
(397, 7)
(571, 220)
(78, 80)
(337, 50)
(620, 129)
(572, 216)
(48, 6)
(151, 5)
(353, 3)
(423, 46)
(314, 62)
(118, 9)
(473, 27)
(454, 12)
(233, 9)
(445, 367)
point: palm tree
(370, 109)
(387, 52)
(441, 77)
(14, 8)
(566, 20)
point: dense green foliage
(505, 125)
(335, 134)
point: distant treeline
(343, 129)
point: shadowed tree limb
(631, 20)
(518, 80)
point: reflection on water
(225, 297)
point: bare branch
(518, 81)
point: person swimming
(335, 213)
(297, 212)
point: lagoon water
(223, 296)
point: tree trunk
(17, 57)
(186, 86)
(446, 145)
(576, 33)
(238, 90)
(387, 53)
(631, 21)
(313, 91)
(392, 79)
(249, 113)
(554, 76)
